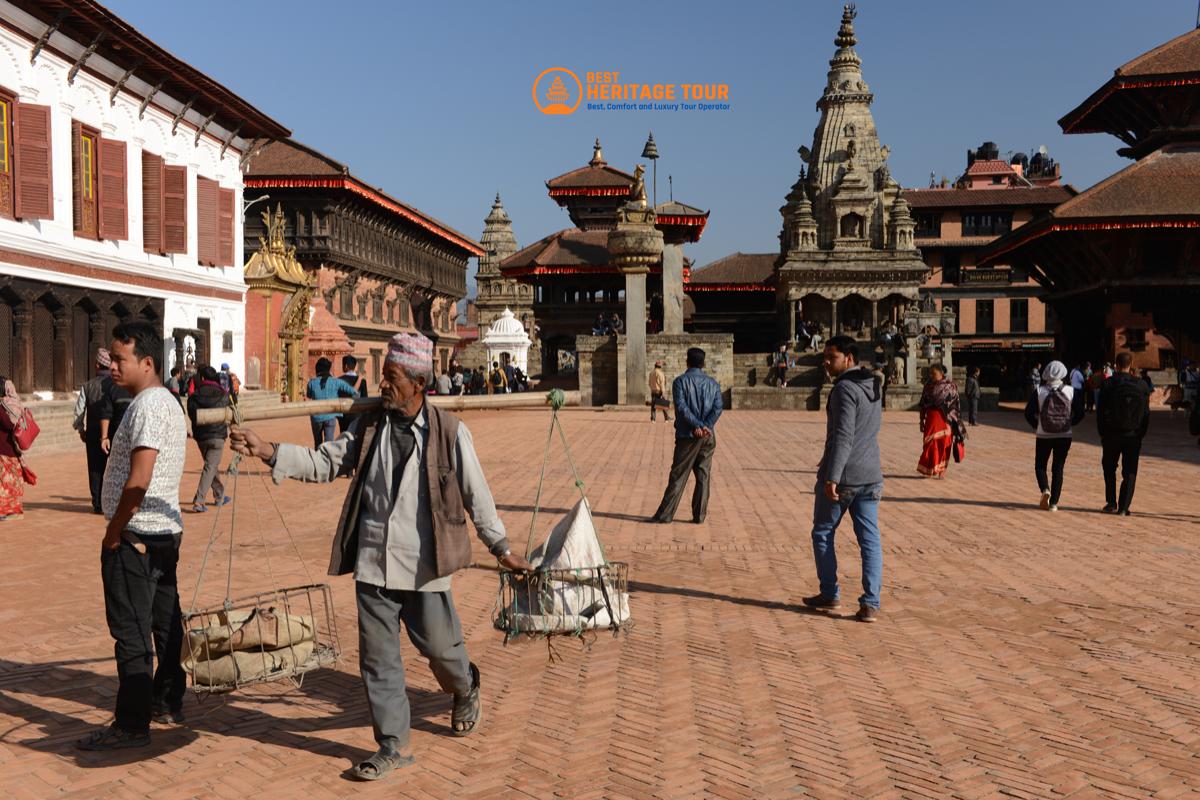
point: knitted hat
(103, 359)
(411, 351)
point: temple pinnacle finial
(845, 37)
(597, 155)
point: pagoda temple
(1121, 260)
(571, 272)
(847, 253)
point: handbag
(28, 475)
(960, 451)
(25, 431)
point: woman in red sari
(939, 421)
(12, 482)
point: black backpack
(1123, 409)
(1055, 413)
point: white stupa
(507, 335)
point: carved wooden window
(346, 294)
(152, 223)
(6, 156)
(33, 193)
(7, 338)
(174, 209)
(84, 146)
(376, 307)
(984, 316)
(1018, 316)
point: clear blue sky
(431, 100)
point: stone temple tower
(495, 292)
(847, 257)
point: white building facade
(120, 196)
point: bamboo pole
(352, 405)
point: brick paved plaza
(1020, 654)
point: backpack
(235, 384)
(498, 378)
(1055, 414)
(1123, 409)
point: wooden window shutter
(35, 194)
(76, 176)
(114, 203)
(152, 201)
(226, 202)
(174, 206)
(206, 221)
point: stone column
(948, 355)
(635, 338)
(833, 320)
(672, 277)
(874, 316)
(792, 320)
(910, 360)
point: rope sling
(279, 634)
(562, 601)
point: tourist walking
(849, 478)
(697, 399)
(89, 404)
(403, 533)
(657, 383)
(1122, 417)
(1052, 411)
(939, 423)
(12, 464)
(209, 438)
(444, 384)
(326, 387)
(456, 379)
(351, 377)
(497, 380)
(1034, 380)
(140, 549)
(229, 381)
(973, 393)
(1089, 387)
(174, 385)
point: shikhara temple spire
(497, 239)
(845, 36)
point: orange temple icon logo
(557, 90)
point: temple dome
(507, 328)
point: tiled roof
(677, 209)
(962, 241)
(989, 167)
(973, 198)
(737, 268)
(572, 247)
(591, 176)
(1181, 54)
(287, 162)
(1165, 183)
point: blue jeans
(863, 504)
(324, 431)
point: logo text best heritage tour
(558, 90)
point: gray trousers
(211, 450)
(691, 456)
(433, 627)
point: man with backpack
(1053, 409)
(1123, 416)
(229, 381)
(498, 381)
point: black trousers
(973, 410)
(141, 601)
(1125, 449)
(97, 460)
(1057, 447)
(691, 456)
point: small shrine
(280, 293)
(507, 339)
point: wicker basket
(563, 601)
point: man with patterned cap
(403, 533)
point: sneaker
(1109, 509)
(867, 614)
(199, 508)
(820, 602)
(169, 717)
(1045, 504)
(1052, 507)
(112, 738)
(1124, 512)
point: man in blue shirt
(697, 400)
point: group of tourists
(612, 325)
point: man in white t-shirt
(140, 500)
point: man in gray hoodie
(849, 478)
